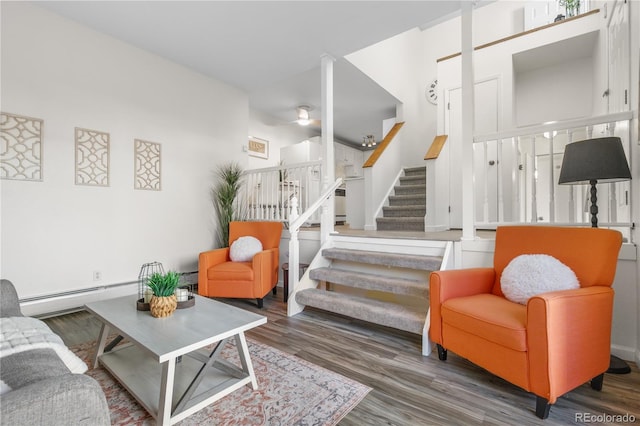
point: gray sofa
(38, 387)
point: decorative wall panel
(20, 147)
(147, 165)
(92, 157)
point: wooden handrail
(436, 147)
(533, 30)
(383, 145)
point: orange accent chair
(218, 276)
(557, 341)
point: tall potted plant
(226, 199)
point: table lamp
(592, 161)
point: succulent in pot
(164, 301)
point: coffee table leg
(166, 392)
(102, 340)
(245, 358)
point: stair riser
(412, 180)
(410, 189)
(419, 171)
(369, 281)
(411, 200)
(404, 212)
(400, 226)
(394, 259)
(373, 312)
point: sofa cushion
(231, 271)
(244, 248)
(489, 317)
(531, 274)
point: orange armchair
(553, 344)
(218, 276)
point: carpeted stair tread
(413, 261)
(406, 200)
(370, 310)
(413, 171)
(400, 224)
(405, 211)
(410, 189)
(366, 281)
(412, 180)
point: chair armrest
(569, 338)
(263, 266)
(206, 260)
(444, 285)
(9, 303)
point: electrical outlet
(97, 276)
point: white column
(468, 207)
(327, 220)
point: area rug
(291, 391)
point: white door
(485, 121)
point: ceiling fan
(304, 119)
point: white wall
(56, 234)
(396, 67)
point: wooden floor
(408, 389)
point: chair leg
(542, 407)
(442, 352)
(596, 382)
(275, 290)
(259, 300)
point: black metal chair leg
(442, 352)
(275, 291)
(542, 407)
(596, 382)
(259, 301)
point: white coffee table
(152, 367)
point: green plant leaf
(226, 199)
(164, 285)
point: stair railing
(296, 221)
(270, 190)
(516, 176)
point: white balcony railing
(270, 190)
(516, 176)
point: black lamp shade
(600, 159)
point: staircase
(382, 281)
(407, 207)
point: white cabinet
(348, 162)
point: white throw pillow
(530, 274)
(244, 248)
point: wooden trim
(383, 145)
(511, 37)
(436, 147)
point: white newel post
(294, 248)
(468, 204)
(327, 221)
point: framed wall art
(92, 157)
(259, 148)
(21, 147)
(147, 165)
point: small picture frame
(259, 148)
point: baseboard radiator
(68, 301)
(50, 305)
